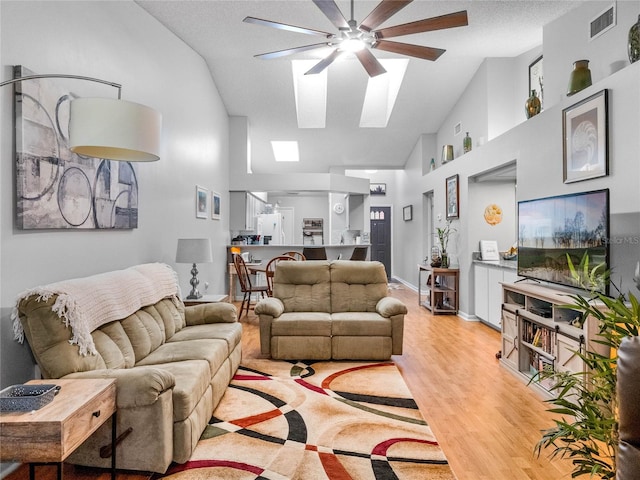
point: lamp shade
(194, 250)
(114, 129)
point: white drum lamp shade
(194, 250)
(115, 129)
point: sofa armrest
(389, 307)
(135, 387)
(210, 313)
(270, 306)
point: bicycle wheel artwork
(55, 188)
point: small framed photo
(215, 205)
(407, 213)
(536, 80)
(202, 202)
(453, 197)
(378, 189)
(585, 139)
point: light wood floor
(486, 420)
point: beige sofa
(324, 310)
(172, 363)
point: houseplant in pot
(587, 430)
(443, 237)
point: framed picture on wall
(536, 80)
(215, 205)
(202, 202)
(585, 139)
(453, 197)
(378, 189)
(407, 213)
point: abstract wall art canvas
(55, 188)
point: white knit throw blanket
(85, 304)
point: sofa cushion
(360, 323)
(144, 332)
(303, 286)
(214, 351)
(115, 333)
(301, 348)
(192, 380)
(302, 323)
(357, 286)
(230, 332)
(166, 312)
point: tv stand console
(538, 333)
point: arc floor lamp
(112, 129)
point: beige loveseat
(172, 363)
(324, 310)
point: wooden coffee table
(55, 431)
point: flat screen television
(550, 228)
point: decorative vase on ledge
(634, 42)
(580, 77)
(445, 260)
(466, 143)
(532, 106)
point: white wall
(536, 144)
(120, 42)
(483, 194)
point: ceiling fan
(360, 39)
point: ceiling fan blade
(324, 63)
(370, 63)
(426, 53)
(457, 19)
(290, 51)
(385, 10)
(332, 12)
(284, 26)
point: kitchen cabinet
(488, 290)
(243, 209)
(356, 212)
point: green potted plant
(587, 430)
(443, 237)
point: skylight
(381, 94)
(285, 151)
(310, 93)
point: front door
(381, 236)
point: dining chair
(245, 284)
(359, 253)
(270, 270)
(314, 253)
(295, 255)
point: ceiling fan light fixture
(352, 45)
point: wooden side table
(441, 289)
(53, 432)
(206, 299)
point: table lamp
(194, 250)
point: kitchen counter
(267, 252)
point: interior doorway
(380, 228)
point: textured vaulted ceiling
(262, 90)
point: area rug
(316, 421)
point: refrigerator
(270, 225)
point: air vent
(603, 22)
